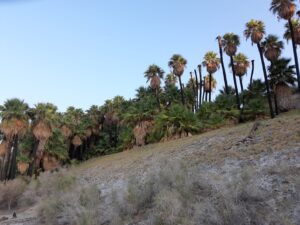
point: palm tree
(285, 9)
(255, 29)
(154, 74)
(14, 125)
(281, 75)
(230, 43)
(241, 65)
(178, 64)
(44, 117)
(288, 35)
(212, 64)
(210, 83)
(170, 79)
(272, 47)
(220, 42)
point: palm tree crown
(170, 79)
(282, 72)
(207, 84)
(255, 29)
(14, 118)
(177, 63)
(241, 64)
(14, 108)
(154, 73)
(211, 62)
(285, 9)
(230, 43)
(272, 47)
(296, 27)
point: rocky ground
(267, 149)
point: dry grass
(179, 196)
(10, 193)
(62, 200)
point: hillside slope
(259, 160)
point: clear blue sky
(82, 52)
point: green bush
(176, 120)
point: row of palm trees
(40, 137)
(269, 47)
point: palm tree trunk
(197, 90)
(200, 85)
(223, 69)
(13, 166)
(241, 83)
(252, 72)
(295, 52)
(266, 80)
(33, 155)
(210, 87)
(238, 103)
(194, 92)
(203, 96)
(181, 91)
(242, 89)
(5, 165)
(206, 96)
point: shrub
(10, 193)
(176, 121)
(64, 201)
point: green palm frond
(211, 57)
(154, 71)
(14, 108)
(231, 38)
(282, 72)
(254, 26)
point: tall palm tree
(230, 43)
(221, 43)
(178, 64)
(154, 74)
(212, 64)
(241, 65)
(255, 29)
(272, 48)
(285, 9)
(14, 125)
(44, 117)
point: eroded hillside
(249, 174)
